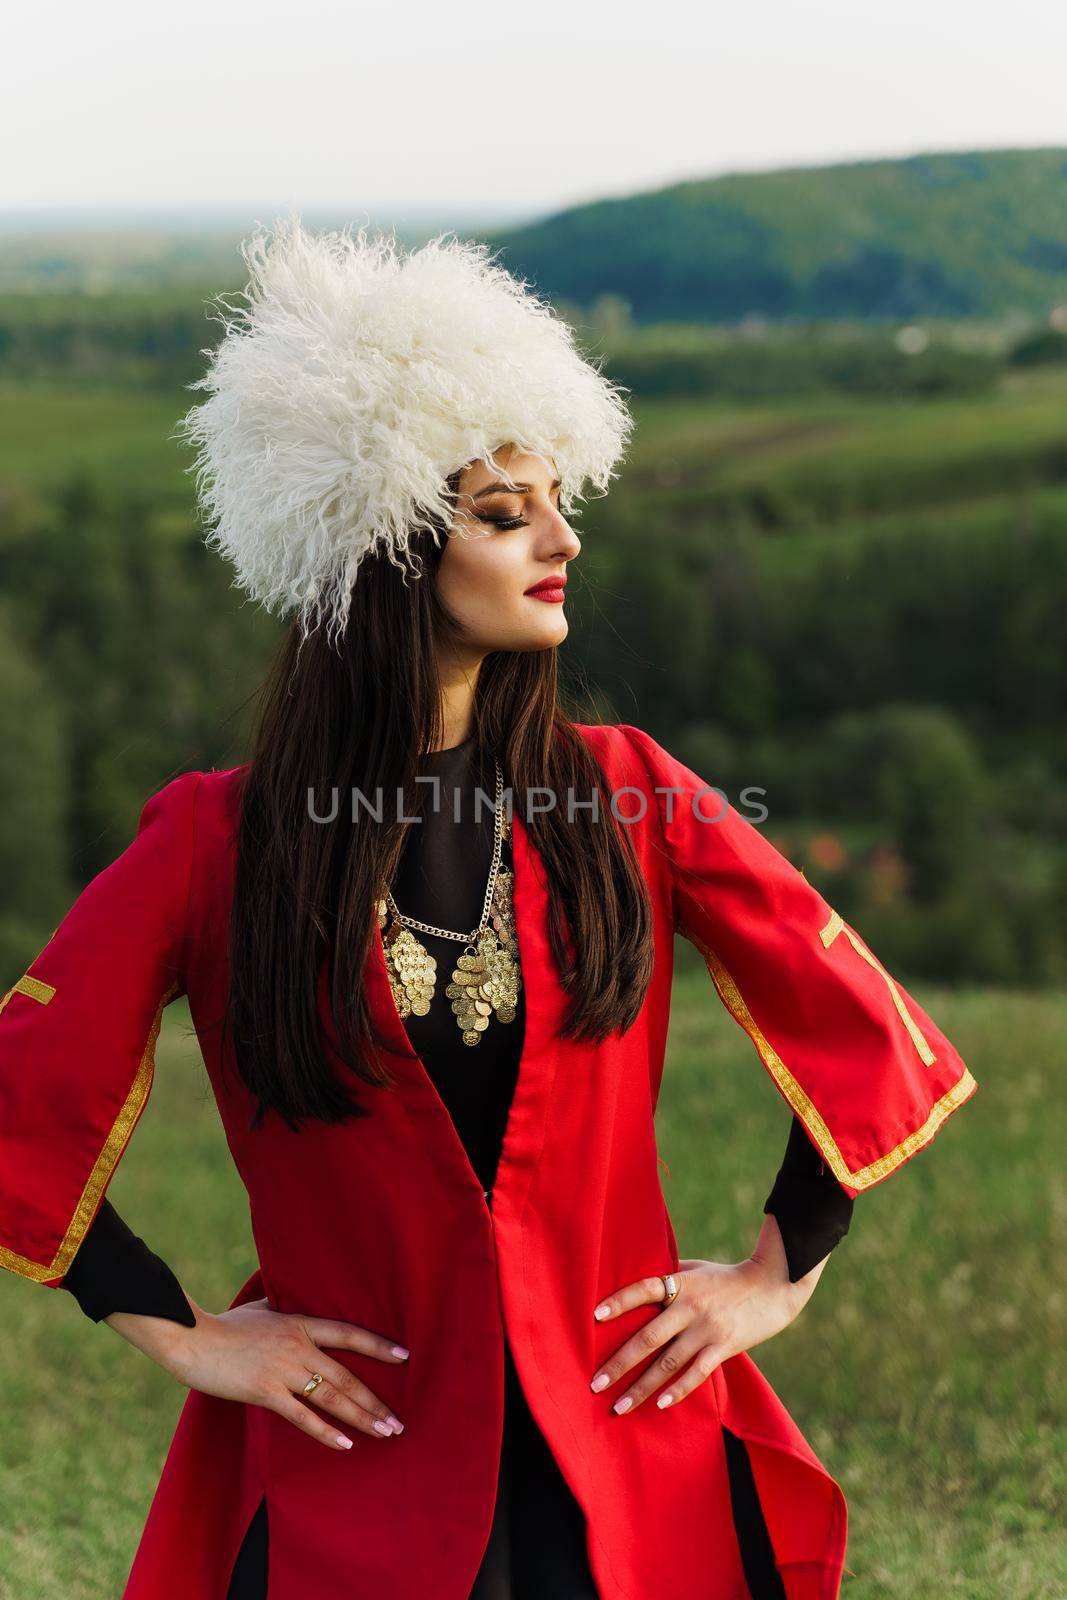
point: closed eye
(507, 523)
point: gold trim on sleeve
(104, 1165)
(801, 1103)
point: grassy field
(823, 459)
(826, 453)
(118, 437)
(927, 1369)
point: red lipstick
(550, 589)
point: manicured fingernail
(395, 1423)
(601, 1312)
(382, 1427)
(622, 1405)
(398, 1350)
(664, 1400)
(346, 1444)
(601, 1381)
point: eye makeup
(507, 523)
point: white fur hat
(350, 387)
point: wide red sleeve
(865, 1069)
(77, 1038)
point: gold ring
(670, 1287)
(313, 1383)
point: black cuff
(114, 1270)
(812, 1210)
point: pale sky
(463, 106)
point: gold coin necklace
(486, 977)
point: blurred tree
(33, 781)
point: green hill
(975, 233)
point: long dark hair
(360, 716)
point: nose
(563, 540)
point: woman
(537, 1543)
(409, 1317)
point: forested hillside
(972, 233)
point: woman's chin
(552, 631)
(525, 635)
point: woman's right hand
(265, 1357)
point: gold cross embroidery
(828, 934)
(33, 987)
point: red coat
(382, 1221)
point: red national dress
(382, 1220)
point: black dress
(537, 1544)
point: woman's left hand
(720, 1309)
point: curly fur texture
(349, 387)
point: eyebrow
(518, 488)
